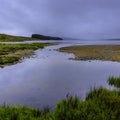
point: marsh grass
(22, 113)
(12, 53)
(8, 59)
(114, 81)
(100, 104)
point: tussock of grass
(114, 81)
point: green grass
(10, 38)
(22, 113)
(100, 104)
(114, 81)
(9, 59)
(11, 53)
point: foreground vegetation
(100, 104)
(10, 38)
(94, 52)
(12, 53)
(114, 81)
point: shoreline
(94, 52)
(11, 54)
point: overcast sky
(66, 18)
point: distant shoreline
(94, 52)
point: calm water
(49, 75)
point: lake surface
(49, 75)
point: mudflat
(94, 52)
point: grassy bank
(12, 53)
(10, 38)
(94, 52)
(100, 104)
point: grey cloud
(69, 18)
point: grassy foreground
(100, 104)
(94, 52)
(10, 38)
(114, 81)
(12, 53)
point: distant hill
(11, 38)
(43, 37)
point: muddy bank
(94, 52)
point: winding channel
(48, 76)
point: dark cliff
(43, 37)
